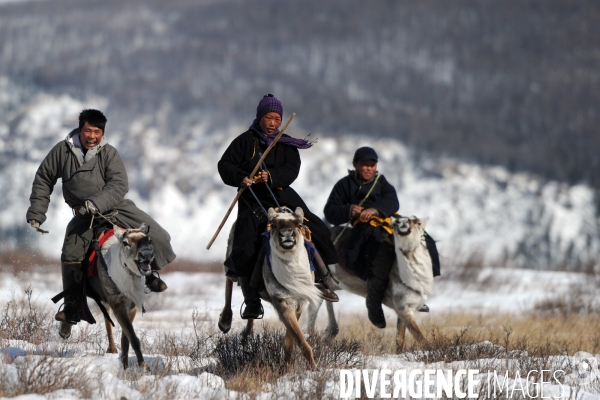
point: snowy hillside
(505, 219)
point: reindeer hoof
(225, 321)
(224, 328)
(331, 333)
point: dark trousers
(383, 259)
(78, 239)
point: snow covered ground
(506, 291)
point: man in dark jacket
(94, 182)
(367, 199)
(281, 168)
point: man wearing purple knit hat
(280, 168)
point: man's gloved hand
(90, 207)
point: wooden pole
(254, 171)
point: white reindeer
(288, 281)
(128, 254)
(411, 279)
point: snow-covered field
(201, 294)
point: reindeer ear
(299, 213)
(118, 231)
(145, 228)
(424, 222)
(272, 213)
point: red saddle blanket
(93, 257)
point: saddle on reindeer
(80, 289)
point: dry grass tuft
(22, 320)
(45, 374)
(264, 351)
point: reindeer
(288, 281)
(128, 254)
(411, 279)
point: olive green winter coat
(98, 175)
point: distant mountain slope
(509, 83)
(504, 219)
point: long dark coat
(99, 176)
(283, 165)
(365, 238)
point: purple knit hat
(269, 103)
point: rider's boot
(377, 283)
(322, 272)
(154, 283)
(254, 308)
(375, 291)
(71, 279)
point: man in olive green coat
(94, 182)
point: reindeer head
(135, 245)
(408, 231)
(285, 227)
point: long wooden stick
(239, 193)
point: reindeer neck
(128, 283)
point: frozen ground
(494, 291)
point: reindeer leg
(332, 326)
(288, 347)
(112, 347)
(124, 349)
(65, 330)
(138, 353)
(414, 329)
(249, 328)
(290, 320)
(226, 315)
(313, 311)
(409, 322)
(128, 336)
(400, 334)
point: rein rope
(360, 205)
(264, 167)
(107, 217)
